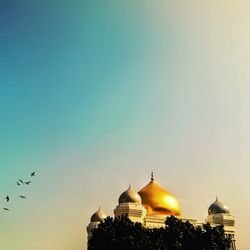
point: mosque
(152, 204)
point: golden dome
(158, 201)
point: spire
(152, 176)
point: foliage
(122, 234)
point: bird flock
(19, 183)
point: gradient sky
(96, 94)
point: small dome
(130, 195)
(218, 208)
(98, 216)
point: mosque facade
(152, 204)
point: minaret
(130, 205)
(219, 215)
(96, 218)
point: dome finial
(152, 176)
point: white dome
(218, 208)
(98, 216)
(130, 195)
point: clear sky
(96, 94)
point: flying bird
(23, 197)
(6, 209)
(21, 181)
(32, 174)
(7, 198)
(27, 182)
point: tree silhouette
(121, 233)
